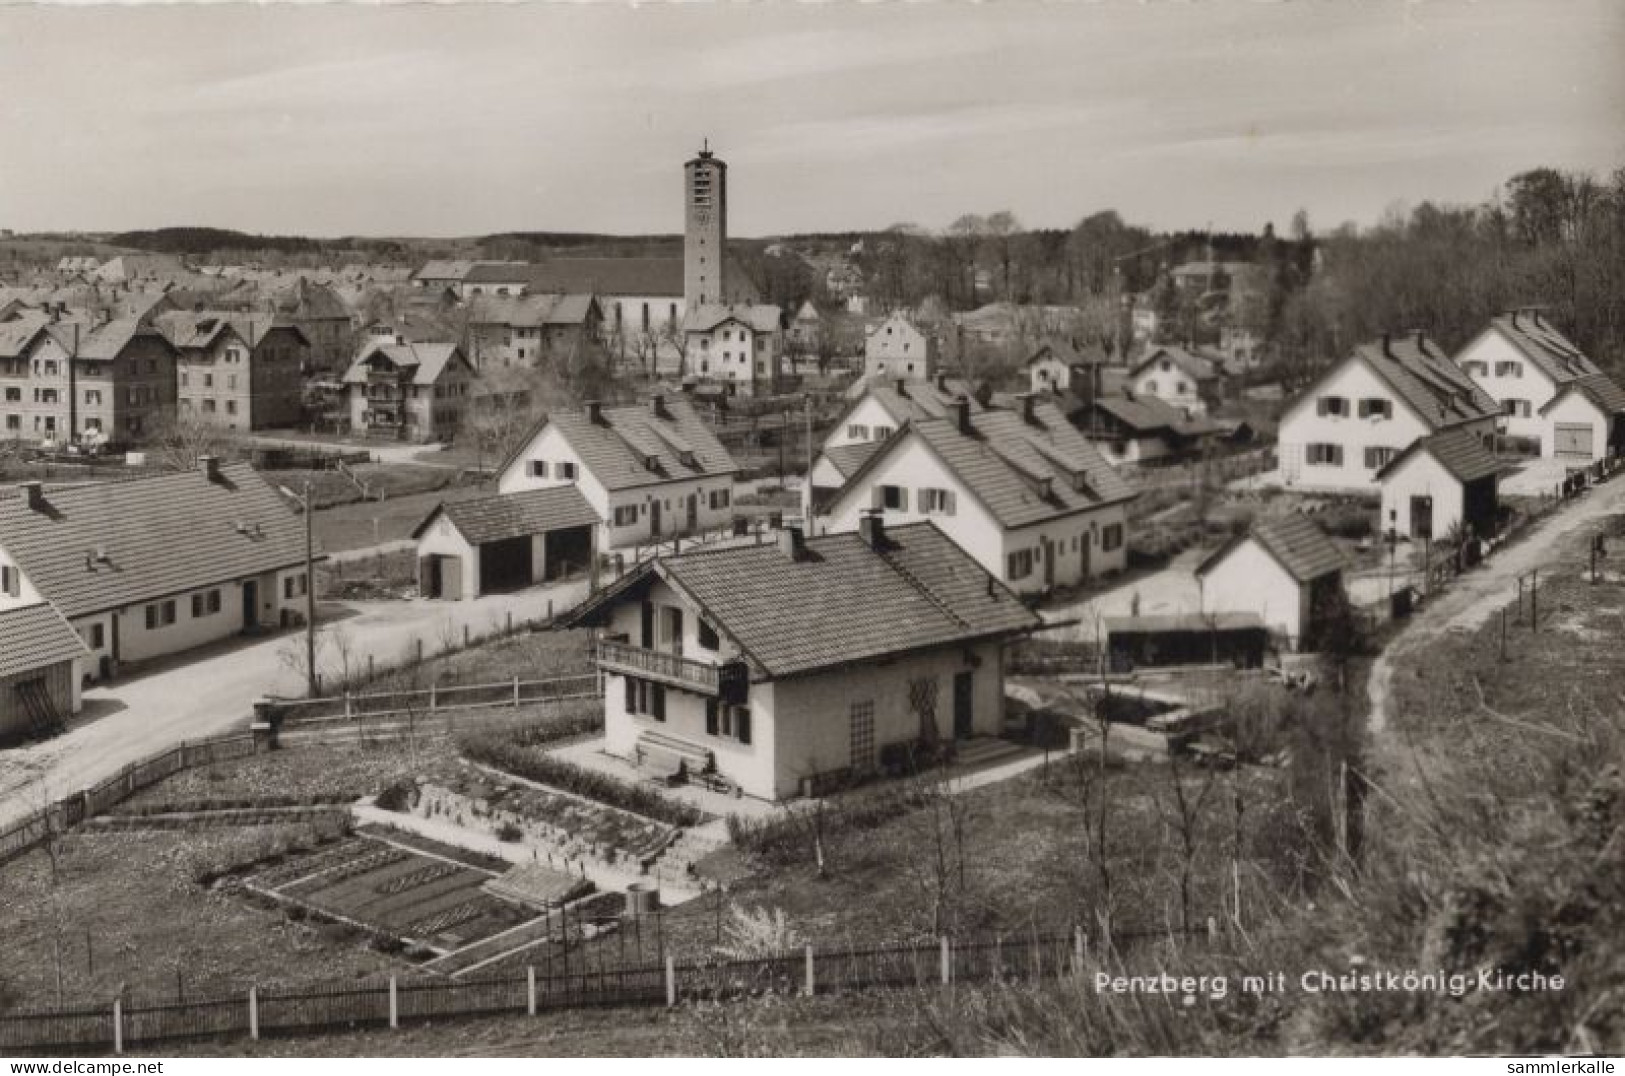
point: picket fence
(122, 1023)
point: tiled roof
(36, 636)
(1458, 451)
(615, 447)
(20, 331)
(848, 458)
(917, 400)
(842, 602)
(1295, 541)
(605, 276)
(760, 317)
(1007, 463)
(160, 536)
(515, 515)
(444, 270)
(1556, 356)
(195, 330)
(1065, 352)
(1417, 369)
(533, 311)
(426, 360)
(1599, 388)
(1149, 414)
(1195, 366)
(108, 341)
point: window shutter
(742, 724)
(711, 717)
(631, 695)
(877, 497)
(948, 502)
(902, 498)
(1320, 406)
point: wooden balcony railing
(728, 681)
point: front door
(251, 605)
(654, 518)
(963, 687)
(693, 512)
(1083, 563)
(1421, 518)
(1049, 563)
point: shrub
(509, 832)
(510, 754)
(398, 796)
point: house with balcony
(1549, 392)
(650, 472)
(1022, 491)
(415, 391)
(1365, 410)
(788, 668)
(155, 566)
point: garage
(504, 542)
(1572, 440)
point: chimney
(962, 414)
(872, 529)
(792, 543)
(595, 412)
(1028, 401)
(1387, 346)
(1514, 320)
(657, 406)
(1421, 342)
(36, 495)
(210, 466)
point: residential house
(64, 378)
(1138, 429)
(507, 541)
(1021, 491)
(1059, 368)
(739, 347)
(879, 410)
(1524, 363)
(41, 665)
(412, 390)
(793, 667)
(154, 566)
(806, 329)
(1368, 408)
(1443, 483)
(1176, 376)
(523, 331)
(238, 371)
(650, 472)
(122, 268)
(1286, 571)
(898, 348)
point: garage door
(1572, 440)
(505, 565)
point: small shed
(1186, 639)
(504, 542)
(1285, 572)
(40, 668)
(1441, 481)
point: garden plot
(423, 899)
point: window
(197, 606)
(895, 497)
(538, 468)
(93, 397)
(208, 405)
(98, 636)
(14, 395)
(645, 698)
(706, 635)
(882, 432)
(567, 470)
(937, 502)
(231, 407)
(721, 498)
(208, 381)
(857, 432)
(724, 720)
(1111, 537)
(14, 422)
(1475, 369)
(626, 515)
(11, 583)
(1324, 455)
(1019, 565)
(1332, 405)
(1379, 457)
(1515, 408)
(160, 614)
(1374, 405)
(1509, 369)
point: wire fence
(254, 1012)
(353, 706)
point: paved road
(156, 708)
(1477, 595)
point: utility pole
(312, 681)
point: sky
(464, 119)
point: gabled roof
(604, 276)
(160, 536)
(534, 311)
(914, 399)
(758, 317)
(1295, 541)
(1421, 377)
(1458, 452)
(1152, 414)
(840, 603)
(616, 447)
(848, 458)
(1599, 388)
(1196, 367)
(36, 637)
(196, 330)
(20, 331)
(427, 361)
(107, 341)
(1022, 471)
(1063, 351)
(514, 515)
(1540, 342)
(444, 269)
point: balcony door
(669, 636)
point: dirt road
(1476, 596)
(214, 691)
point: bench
(669, 759)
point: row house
(740, 347)
(1022, 491)
(66, 379)
(1549, 392)
(154, 566)
(239, 372)
(650, 472)
(1365, 410)
(524, 331)
(794, 667)
(413, 391)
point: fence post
(516, 691)
(530, 991)
(431, 697)
(118, 1025)
(254, 1012)
(394, 1005)
(947, 962)
(810, 982)
(347, 709)
(671, 982)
